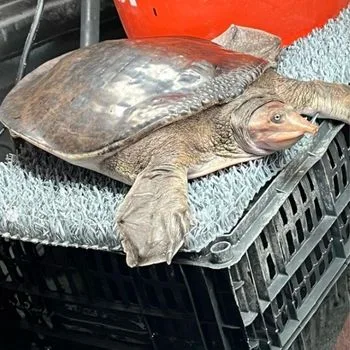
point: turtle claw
(171, 252)
(169, 258)
(158, 245)
(150, 253)
(131, 253)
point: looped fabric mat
(44, 199)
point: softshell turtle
(156, 112)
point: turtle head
(275, 126)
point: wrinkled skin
(154, 218)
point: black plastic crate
(253, 288)
(336, 165)
(284, 309)
(322, 329)
(208, 320)
(341, 228)
(300, 217)
(94, 294)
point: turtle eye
(276, 118)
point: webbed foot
(154, 217)
(251, 41)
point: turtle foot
(155, 216)
(158, 245)
(251, 41)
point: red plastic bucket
(289, 19)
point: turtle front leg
(155, 217)
(310, 97)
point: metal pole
(90, 22)
(30, 39)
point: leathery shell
(106, 96)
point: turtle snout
(311, 129)
(297, 123)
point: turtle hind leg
(311, 97)
(251, 41)
(155, 217)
